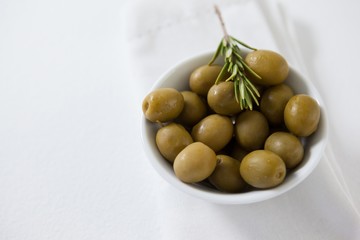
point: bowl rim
(233, 198)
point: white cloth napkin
(159, 34)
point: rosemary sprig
(234, 64)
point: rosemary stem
(234, 64)
(218, 13)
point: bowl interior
(177, 77)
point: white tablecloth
(72, 78)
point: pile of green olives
(206, 137)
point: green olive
(194, 109)
(195, 163)
(221, 99)
(270, 66)
(287, 146)
(163, 105)
(251, 130)
(203, 77)
(273, 103)
(171, 139)
(226, 176)
(263, 169)
(214, 130)
(302, 115)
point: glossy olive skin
(221, 99)
(202, 78)
(263, 169)
(226, 176)
(214, 130)
(194, 109)
(163, 105)
(273, 102)
(171, 139)
(287, 146)
(195, 163)
(302, 115)
(270, 66)
(251, 130)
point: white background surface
(71, 161)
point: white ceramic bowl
(177, 77)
